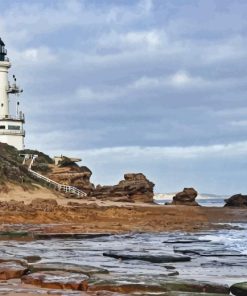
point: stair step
(67, 189)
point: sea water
(207, 202)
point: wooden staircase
(59, 187)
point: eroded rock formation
(73, 175)
(134, 187)
(237, 200)
(186, 197)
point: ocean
(206, 202)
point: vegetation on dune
(10, 152)
(42, 157)
(66, 161)
(12, 170)
(41, 163)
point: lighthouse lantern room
(11, 126)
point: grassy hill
(11, 168)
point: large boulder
(73, 175)
(134, 187)
(239, 289)
(186, 197)
(237, 200)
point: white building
(11, 126)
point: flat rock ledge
(149, 258)
(82, 269)
(68, 235)
(175, 287)
(72, 279)
(57, 280)
(12, 270)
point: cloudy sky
(158, 87)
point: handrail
(57, 186)
(12, 132)
(11, 117)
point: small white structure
(57, 159)
(11, 126)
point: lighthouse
(11, 123)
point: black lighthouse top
(3, 51)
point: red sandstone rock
(43, 204)
(73, 175)
(124, 198)
(57, 280)
(12, 205)
(134, 187)
(187, 197)
(11, 270)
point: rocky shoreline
(37, 239)
(103, 216)
(181, 264)
(51, 226)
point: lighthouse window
(2, 126)
(14, 127)
(2, 105)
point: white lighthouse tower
(11, 126)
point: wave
(165, 196)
